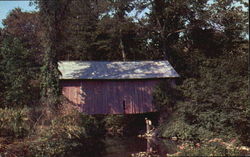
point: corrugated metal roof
(116, 70)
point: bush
(14, 122)
(67, 134)
(208, 149)
(165, 96)
(210, 105)
(183, 128)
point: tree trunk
(163, 38)
(122, 48)
(164, 47)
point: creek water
(125, 146)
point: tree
(16, 74)
(120, 9)
(124, 31)
(1, 69)
(93, 32)
(52, 14)
(228, 16)
(214, 100)
(27, 28)
(78, 36)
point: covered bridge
(99, 87)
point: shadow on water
(125, 146)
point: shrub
(165, 96)
(14, 122)
(178, 126)
(67, 134)
(210, 105)
(208, 149)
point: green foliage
(52, 13)
(67, 134)
(27, 28)
(14, 122)
(204, 42)
(177, 127)
(165, 96)
(16, 73)
(213, 100)
(211, 105)
(209, 149)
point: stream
(125, 146)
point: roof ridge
(114, 61)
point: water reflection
(125, 146)
(160, 146)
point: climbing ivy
(52, 14)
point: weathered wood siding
(109, 96)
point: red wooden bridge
(113, 87)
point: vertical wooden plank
(103, 97)
(120, 96)
(94, 97)
(97, 97)
(137, 98)
(105, 111)
(143, 101)
(87, 95)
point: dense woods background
(205, 41)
